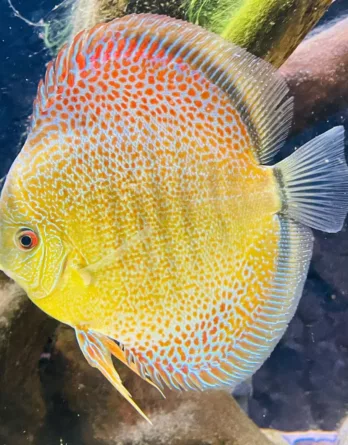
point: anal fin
(118, 353)
(96, 351)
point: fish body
(143, 209)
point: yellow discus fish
(142, 208)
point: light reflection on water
(311, 438)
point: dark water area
(23, 59)
(337, 10)
(304, 384)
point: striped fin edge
(258, 93)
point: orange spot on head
(150, 354)
(85, 74)
(109, 48)
(204, 337)
(152, 49)
(97, 52)
(81, 61)
(185, 369)
(71, 79)
(236, 146)
(171, 352)
(120, 47)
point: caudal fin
(314, 182)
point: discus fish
(143, 209)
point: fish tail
(313, 182)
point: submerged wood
(24, 330)
(317, 75)
(87, 13)
(270, 29)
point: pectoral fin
(95, 348)
(87, 273)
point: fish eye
(27, 239)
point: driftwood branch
(24, 330)
(272, 29)
(317, 74)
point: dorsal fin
(258, 93)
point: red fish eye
(27, 239)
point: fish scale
(160, 224)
